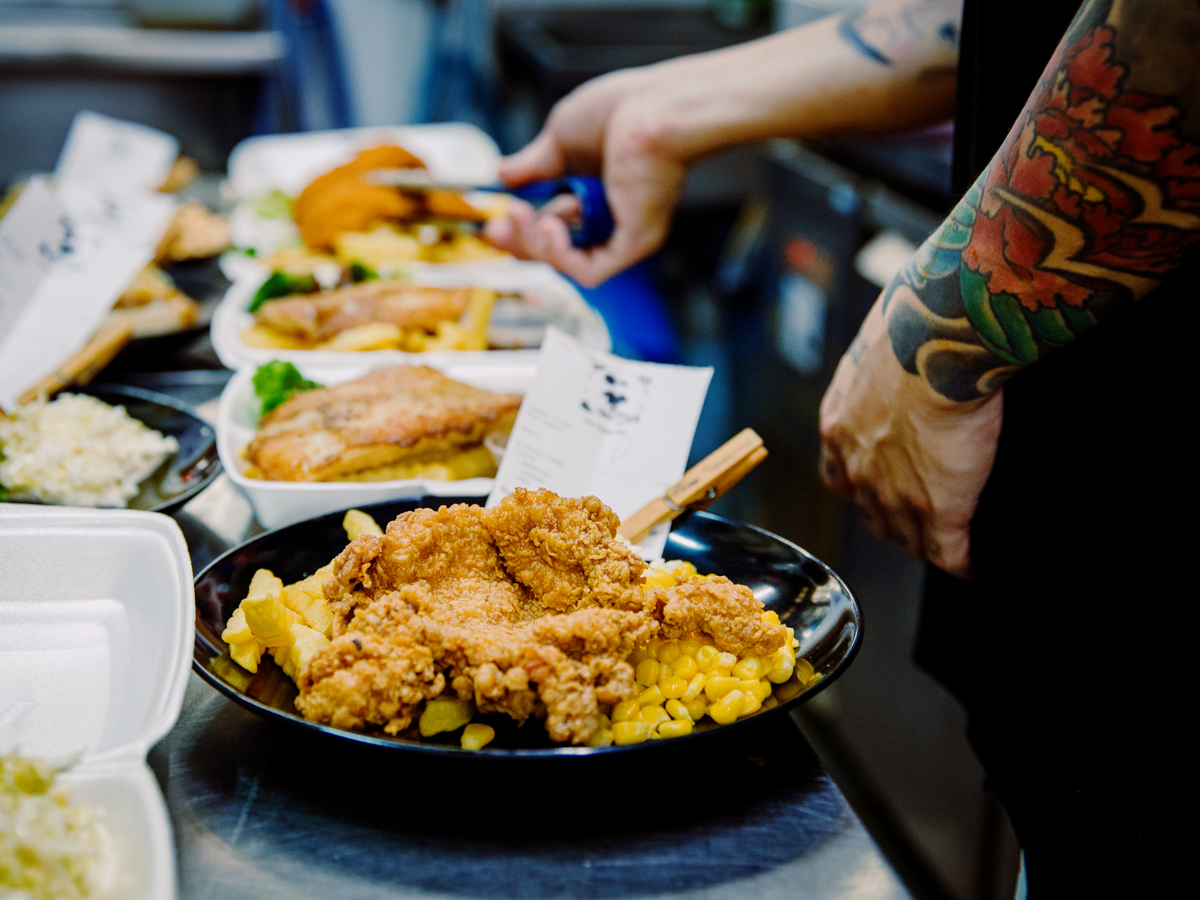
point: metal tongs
(591, 224)
(701, 485)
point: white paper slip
(594, 423)
(110, 151)
(96, 256)
(34, 233)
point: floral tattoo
(1090, 204)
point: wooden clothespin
(84, 365)
(701, 485)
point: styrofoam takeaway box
(96, 632)
(278, 503)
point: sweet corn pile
(680, 682)
(683, 681)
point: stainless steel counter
(264, 811)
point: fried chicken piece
(565, 550)
(529, 608)
(717, 608)
(375, 673)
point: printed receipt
(594, 423)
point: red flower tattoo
(1095, 190)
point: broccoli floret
(281, 284)
(277, 381)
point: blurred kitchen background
(776, 254)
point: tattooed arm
(1090, 204)
(887, 67)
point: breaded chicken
(380, 419)
(529, 608)
(319, 317)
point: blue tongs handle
(595, 225)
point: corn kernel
(652, 647)
(605, 721)
(666, 671)
(601, 738)
(637, 656)
(678, 711)
(717, 687)
(625, 710)
(728, 708)
(720, 672)
(689, 648)
(751, 668)
(770, 617)
(630, 733)
(673, 688)
(653, 716)
(780, 674)
(705, 656)
(668, 652)
(695, 686)
(804, 669)
(678, 728)
(476, 736)
(445, 714)
(685, 667)
(760, 689)
(647, 672)
(656, 578)
(725, 660)
(750, 704)
(696, 708)
(770, 702)
(651, 696)
(686, 569)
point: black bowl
(185, 473)
(805, 593)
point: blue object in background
(636, 315)
(309, 91)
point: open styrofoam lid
(96, 630)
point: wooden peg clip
(701, 485)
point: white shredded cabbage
(50, 848)
(78, 451)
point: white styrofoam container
(548, 298)
(96, 632)
(278, 503)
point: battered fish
(319, 317)
(396, 415)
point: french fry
(307, 598)
(357, 522)
(372, 336)
(247, 654)
(236, 630)
(306, 643)
(265, 613)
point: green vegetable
(361, 272)
(277, 381)
(275, 205)
(281, 284)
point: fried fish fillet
(386, 417)
(318, 317)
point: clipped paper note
(110, 151)
(594, 423)
(93, 241)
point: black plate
(204, 282)
(805, 593)
(186, 473)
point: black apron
(1067, 647)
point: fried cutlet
(529, 608)
(388, 417)
(319, 317)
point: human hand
(913, 461)
(612, 126)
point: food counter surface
(264, 811)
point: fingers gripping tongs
(591, 224)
